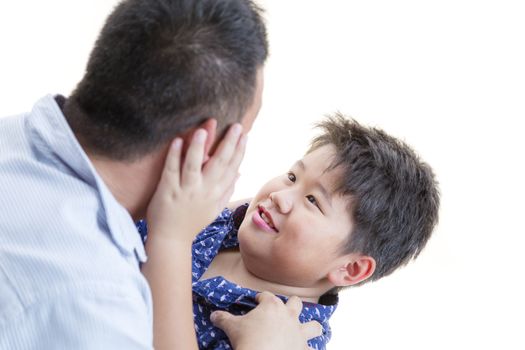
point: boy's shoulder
(224, 228)
(220, 234)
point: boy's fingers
(239, 153)
(295, 305)
(224, 320)
(228, 193)
(226, 149)
(194, 157)
(171, 173)
(267, 297)
(312, 329)
(229, 175)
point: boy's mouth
(267, 217)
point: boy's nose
(282, 201)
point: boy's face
(295, 226)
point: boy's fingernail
(244, 140)
(236, 129)
(177, 143)
(200, 135)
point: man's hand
(190, 196)
(271, 325)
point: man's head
(356, 207)
(161, 67)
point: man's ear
(356, 269)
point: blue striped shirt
(69, 252)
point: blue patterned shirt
(217, 293)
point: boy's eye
(291, 177)
(312, 200)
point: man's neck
(132, 183)
(229, 264)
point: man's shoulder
(80, 285)
(104, 315)
(13, 134)
(58, 261)
(75, 262)
(59, 244)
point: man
(76, 172)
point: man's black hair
(162, 66)
(393, 195)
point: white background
(446, 76)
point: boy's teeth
(266, 219)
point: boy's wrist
(167, 239)
(178, 229)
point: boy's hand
(190, 196)
(271, 325)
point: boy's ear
(356, 269)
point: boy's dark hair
(394, 199)
(162, 66)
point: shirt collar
(49, 130)
(225, 295)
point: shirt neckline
(47, 127)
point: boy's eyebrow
(324, 192)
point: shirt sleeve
(80, 321)
(317, 344)
(320, 342)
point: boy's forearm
(168, 271)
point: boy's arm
(168, 271)
(188, 197)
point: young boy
(357, 206)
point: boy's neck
(229, 264)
